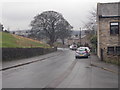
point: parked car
(73, 47)
(82, 52)
(88, 50)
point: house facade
(108, 21)
(76, 40)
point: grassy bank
(14, 41)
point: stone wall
(19, 53)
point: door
(101, 54)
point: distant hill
(14, 41)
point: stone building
(76, 40)
(108, 20)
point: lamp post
(80, 36)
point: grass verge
(14, 41)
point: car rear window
(81, 50)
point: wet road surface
(60, 71)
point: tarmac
(95, 62)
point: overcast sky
(17, 14)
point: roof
(108, 9)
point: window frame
(108, 51)
(114, 31)
(116, 50)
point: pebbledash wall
(19, 53)
(107, 13)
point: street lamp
(80, 36)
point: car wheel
(76, 57)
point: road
(60, 71)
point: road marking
(60, 79)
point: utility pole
(80, 37)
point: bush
(93, 41)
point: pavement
(59, 70)
(103, 65)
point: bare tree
(48, 22)
(64, 30)
(91, 24)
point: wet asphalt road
(60, 71)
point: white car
(81, 53)
(73, 47)
(87, 48)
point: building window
(113, 50)
(118, 50)
(114, 28)
(110, 50)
